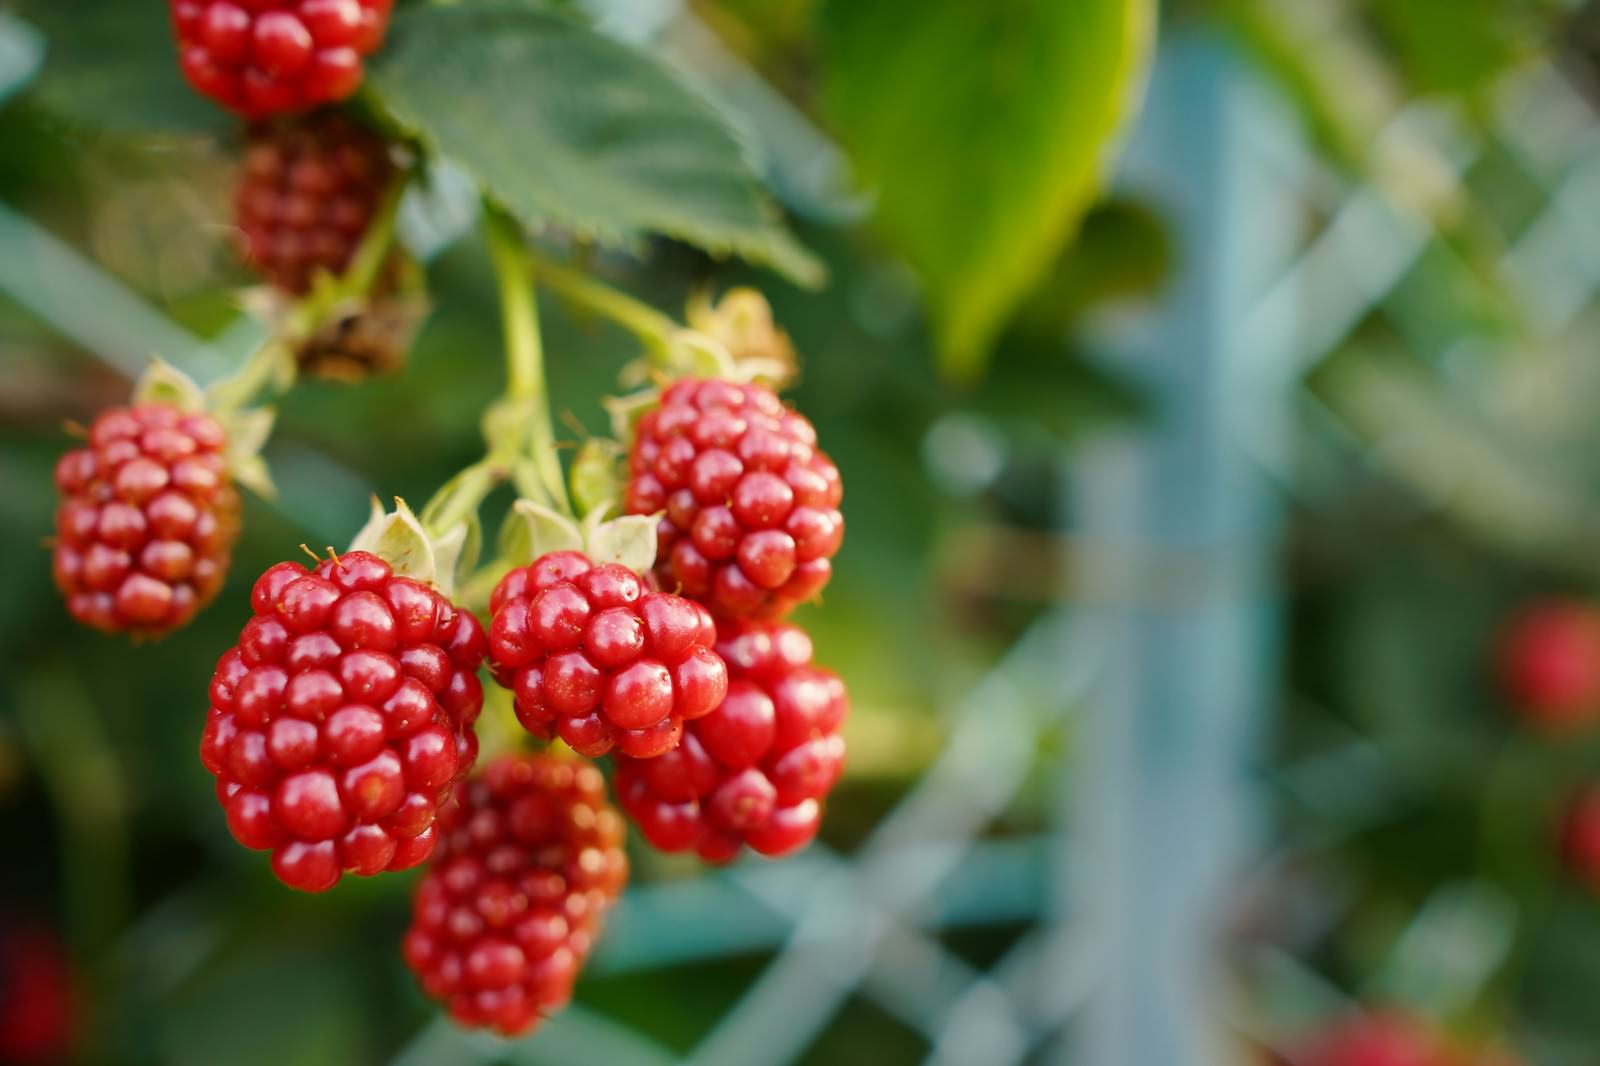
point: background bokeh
(1169, 630)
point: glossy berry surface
(309, 189)
(750, 506)
(147, 519)
(342, 718)
(530, 859)
(1549, 659)
(756, 770)
(597, 659)
(272, 57)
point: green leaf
(113, 65)
(985, 129)
(564, 126)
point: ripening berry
(1549, 658)
(529, 861)
(595, 658)
(272, 57)
(750, 507)
(147, 520)
(310, 188)
(342, 718)
(757, 769)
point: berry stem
(653, 328)
(527, 395)
(270, 369)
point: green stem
(525, 378)
(272, 367)
(269, 369)
(653, 328)
(460, 497)
(376, 243)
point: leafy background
(966, 265)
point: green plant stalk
(653, 328)
(525, 378)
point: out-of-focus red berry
(1549, 659)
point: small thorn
(564, 445)
(48, 543)
(75, 428)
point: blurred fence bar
(1184, 599)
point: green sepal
(163, 383)
(399, 538)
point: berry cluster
(310, 187)
(342, 717)
(269, 57)
(595, 658)
(750, 507)
(529, 860)
(754, 771)
(147, 519)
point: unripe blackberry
(751, 507)
(310, 188)
(147, 520)
(529, 860)
(756, 770)
(595, 658)
(270, 57)
(342, 718)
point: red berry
(1580, 837)
(750, 507)
(529, 861)
(268, 57)
(1391, 1039)
(1549, 659)
(341, 719)
(754, 771)
(37, 1002)
(147, 520)
(596, 658)
(308, 190)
